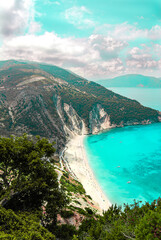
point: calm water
(150, 97)
(127, 161)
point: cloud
(142, 58)
(80, 17)
(81, 55)
(6, 5)
(95, 57)
(16, 16)
(52, 2)
(100, 69)
(157, 50)
(41, 46)
(34, 27)
(105, 53)
(107, 47)
(155, 33)
(129, 32)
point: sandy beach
(77, 162)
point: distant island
(132, 80)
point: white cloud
(79, 17)
(157, 50)
(96, 56)
(16, 16)
(5, 5)
(34, 27)
(52, 2)
(155, 33)
(80, 55)
(142, 58)
(128, 32)
(100, 69)
(107, 47)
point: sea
(127, 161)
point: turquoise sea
(127, 161)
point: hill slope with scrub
(55, 103)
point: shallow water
(127, 162)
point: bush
(149, 226)
(89, 211)
(66, 232)
(22, 227)
(67, 214)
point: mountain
(49, 101)
(132, 80)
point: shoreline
(76, 158)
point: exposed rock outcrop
(98, 119)
(71, 121)
(159, 117)
(73, 124)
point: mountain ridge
(51, 102)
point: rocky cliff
(51, 102)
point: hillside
(51, 102)
(132, 80)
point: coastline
(75, 157)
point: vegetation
(35, 101)
(24, 226)
(74, 186)
(29, 181)
(119, 108)
(83, 95)
(140, 222)
(31, 200)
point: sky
(96, 39)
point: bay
(127, 161)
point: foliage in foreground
(22, 226)
(140, 222)
(28, 182)
(30, 199)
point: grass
(71, 187)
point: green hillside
(33, 97)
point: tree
(149, 226)
(28, 178)
(22, 226)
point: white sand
(75, 155)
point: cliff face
(98, 119)
(74, 125)
(71, 122)
(51, 102)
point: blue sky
(95, 39)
